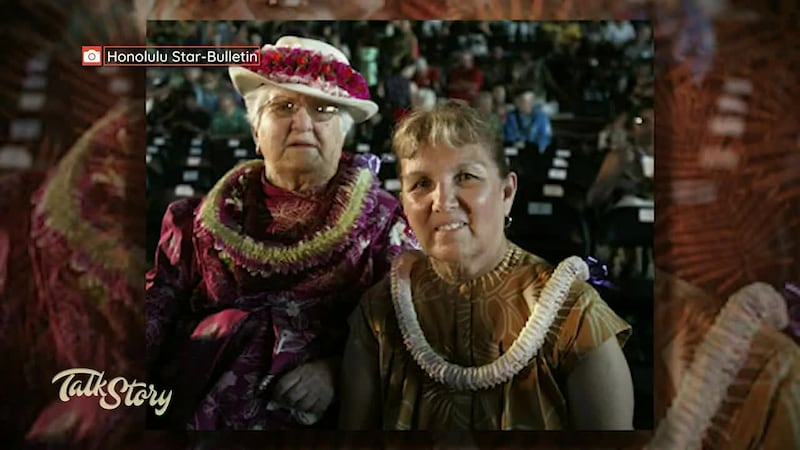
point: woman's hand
(308, 388)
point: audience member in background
(417, 337)
(423, 99)
(485, 106)
(626, 170)
(465, 80)
(209, 89)
(642, 46)
(242, 36)
(560, 33)
(521, 70)
(619, 33)
(499, 97)
(562, 66)
(476, 41)
(211, 35)
(193, 34)
(644, 87)
(230, 120)
(367, 56)
(496, 68)
(252, 284)
(225, 32)
(190, 120)
(404, 44)
(162, 103)
(427, 76)
(533, 74)
(527, 122)
(399, 89)
(625, 179)
(193, 82)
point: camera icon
(92, 56)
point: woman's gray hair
(255, 100)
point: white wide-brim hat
(309, 67)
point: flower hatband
(295, 65)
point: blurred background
(571, 101)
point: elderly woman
(252, 285)
(477, 333)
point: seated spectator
(242, 36)
(485, 106)
(210, 91)
(534, 74)
(403, 44)
(626, 171)
(230, 120)
(496, 68)
(423, 99)
(398, 89)
(366, 57)
(619, 33)
(465, 79)
(427, 76)
(162, 103)
(499, 100)
(527, 122)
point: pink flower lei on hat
(295, 65)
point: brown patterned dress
(472, 324)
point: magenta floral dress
(280, 271)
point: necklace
(718, 360)
(226, 199)
(502, 369)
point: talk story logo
(82, 382)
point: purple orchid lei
(284, 64)
(598, 273)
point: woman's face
(456, 202)
(295, 138)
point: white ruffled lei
(717, 361)
(505, 367)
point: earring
(507, 221)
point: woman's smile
(451, 227)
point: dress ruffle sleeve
(587, 323)
(170, 282)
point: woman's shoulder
(371, 163)
(181, 212)
(542, 270)
(376, 303)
